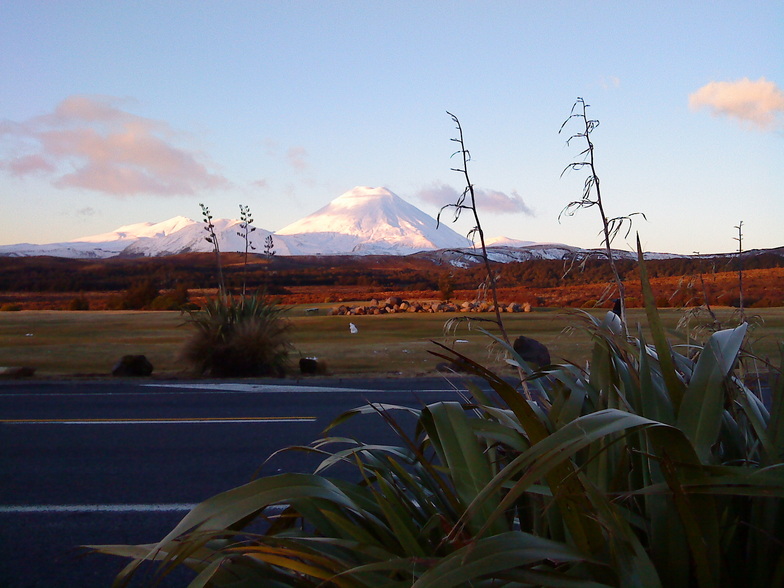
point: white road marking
(211, 389)
(245, 388)
(82, 508)
(162, 421)
(110, 508)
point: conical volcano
(366, 221)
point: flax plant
(649, 468)
(212, 239)
(238, 336)
(592, 193)
(467, 202)
(246, 218)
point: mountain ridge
(361, 221)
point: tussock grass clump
(238, 337)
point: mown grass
(89, 343)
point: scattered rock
(395, 304)
(453, 367)
(532, 351)
(132, 366)
(16, 371)
(312, 365)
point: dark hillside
(414, 273)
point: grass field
(61, 343)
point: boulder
(453, 367)
(16, 371)
(132, 366)
(312, 365)
(532, 351)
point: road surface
(91, 462)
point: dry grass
(61, 343)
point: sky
(114, 113)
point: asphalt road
(105, 462)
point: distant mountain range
(362, 221)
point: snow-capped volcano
(368, 221)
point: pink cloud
(759, 103)
(490, 201)
(500, 202)
(438, 195)
(107, 150)
(297, 158)
(28, 164)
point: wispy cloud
(490, 201)
(89, 142)
(297, 158)
(759, 103)
(609, 82)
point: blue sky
(113, 113)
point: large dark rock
(16, 371)
(132, 366)
(312, 365)
(532, 351)
(455, 366)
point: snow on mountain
(362, 221)
(192, 238)
(466, 257)
(507, 242)
(558, 251)
(368, 221)
(129, 233)
(71, 249)
(102, 245)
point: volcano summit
(366, 221)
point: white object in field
(353, 328)
(612, 322)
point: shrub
(446, 286)
(79, 303)
(243, 336)
(138, 296)
(176, 299)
